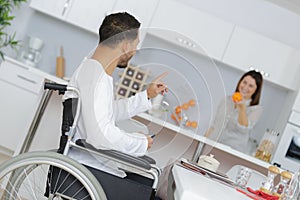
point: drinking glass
(243, 176)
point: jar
(268, 185)
(293, 190)
(267, 145)
(208, 162)
(281, 187)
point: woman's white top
(226, 128)
(99, 112)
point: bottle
(267, 145)
(281, 187)
(268, 185)
(293, 189)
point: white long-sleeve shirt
(99, 112)
(226, 128)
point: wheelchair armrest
(142, 162)
(148, 159)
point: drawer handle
(65, 7)
(26, 79)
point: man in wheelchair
(96, 127)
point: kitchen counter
(38, 72)
(191, 134)
(190, 185)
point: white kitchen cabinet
(191, 28)
(86, 14)
(19, 95)
(48, 133)
(142, 9)
(55, 8)
(89, 14)
(296, 105)
(248, 49)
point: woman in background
(233, 120)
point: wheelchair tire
(27, 176)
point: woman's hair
(117, 27)
(258, 80)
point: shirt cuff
(147, 100)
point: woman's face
(247, 87)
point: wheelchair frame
(15, 172)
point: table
(190, 185)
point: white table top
(191, 185)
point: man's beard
(122, 66)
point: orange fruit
(174, 118)
(194, 124)
(188, 123)
(192, 102)
(177, 109)
(185, 106)
(237, 97)
(179, 118)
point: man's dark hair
(118, 27)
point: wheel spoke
(27, 176)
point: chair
(256, 178)
(134, 186)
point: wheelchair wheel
(47, 175)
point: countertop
(37, 71)
(191, 185)
(192, 134)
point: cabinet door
(142, 9)
(49, 130)
(55, 8)
(279, 61)
(204, 33)
(19, 89)
(89, 14)
(296, 105)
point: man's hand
(150, 142)
(157, 86)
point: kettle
(209, 162)
(30, 51)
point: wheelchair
(54, 175)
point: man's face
(127, 55)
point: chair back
(69, 112)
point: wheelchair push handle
(55, 86)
